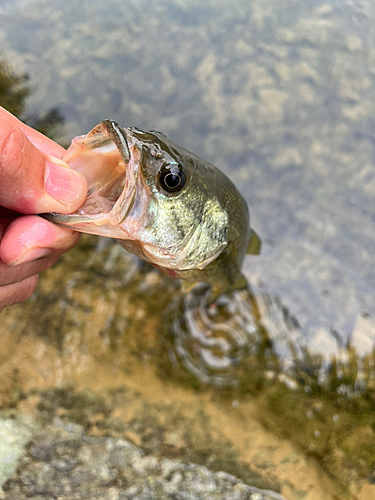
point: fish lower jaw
(96, 210)
(72, 220)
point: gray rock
(14, 435)
(61, 462)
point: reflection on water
(249, 329)
(212, 340)
(244, 331)
(280, 96)
(15, 89)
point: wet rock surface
(61, 462)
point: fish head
(151, 195)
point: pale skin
(33, 180)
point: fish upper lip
(119, 137)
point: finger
(16, 274)
(28, 238)
(39, 140)
(33, 182)
(12, 294)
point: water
(280, 96)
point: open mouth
(103, 156)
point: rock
(14, 435)
(63, 463)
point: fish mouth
(109, 159)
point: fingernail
(63, 184)
(32, 254)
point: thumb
(33, 182)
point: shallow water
(280, 96)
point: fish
(163, 204)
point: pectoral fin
(254, 245)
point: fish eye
(172, 178)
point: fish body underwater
(162, 203)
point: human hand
(33, 180)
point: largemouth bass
(162, 203)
